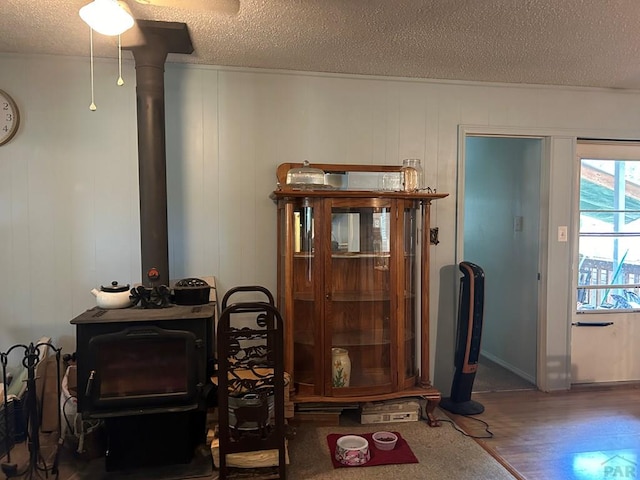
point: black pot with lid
(191, 291)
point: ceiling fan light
(108, 17)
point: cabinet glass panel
(410, 296)
(359, 305)
(304, 273)
(282, 252)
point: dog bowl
(385, 440)
(352, 450)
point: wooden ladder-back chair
(251, 378)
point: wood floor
(587, 433)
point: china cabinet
(353, 285)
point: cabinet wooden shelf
(354, 338)
(379, 296)
(350, 255)
(351, 268)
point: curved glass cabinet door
(410, 345)
(358, 308)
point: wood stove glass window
(143, 366)
(132, 368)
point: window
(609, 231)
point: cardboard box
(319, 418)
(367, 418)
(390, 412)
(47, 392)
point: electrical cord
(455, 426)
(64, 413)
(80, 428)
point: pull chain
(92, 107)
(120, 80)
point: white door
(605, 327)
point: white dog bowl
(385, 440)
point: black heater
(470, 313)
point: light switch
(562, 233)
(517, 223)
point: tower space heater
(470, 313)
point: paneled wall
(68, 180)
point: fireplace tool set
(36, 466)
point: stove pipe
(150, 43)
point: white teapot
(112, 296)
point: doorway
(500, 222)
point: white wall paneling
(192, 169)
(70, 175)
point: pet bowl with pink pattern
(352, 450)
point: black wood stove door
(142, 367)
(134, 360)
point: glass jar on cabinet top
(412, 174)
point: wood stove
(144, 373)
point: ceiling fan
(230, 7)
(114, 17)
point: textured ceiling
(555, 42)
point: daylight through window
(609, 230)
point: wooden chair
(250, 344)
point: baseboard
(508, 366)
(630, 384)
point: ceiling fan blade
(230, 7)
